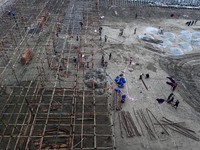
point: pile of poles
(116, 103)
(145, 119)
(177, 127)
(148, 120)
(129, 125)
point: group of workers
(121, 31)
(11, 13)
(103, 62)
(120, 81)
(170, 99)
(123, 96)
(190, 23)
(105, 36)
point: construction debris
(42, 19)
(27, 56)
(97, 79)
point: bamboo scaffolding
(46, 106)
(15, 51)
(18, 115)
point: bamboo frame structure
(46, 104)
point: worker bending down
(172, 83)
(170, 98)
(123, 98)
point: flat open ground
(159, 63)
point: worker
(136, 16)
(25, 28)
(123, 98)
(56, 34)
(192, 22)
(74, 60)
(120, 84)
(117, 79)
(105, 64)
(140, 78)
(135, 30)
(13, 14)
(77, 37)
(96, 5)
(130, 60)
(169, 97)
(55, 52)
(121, 32)
(87, 64)
(60, 68)
(160, 100)
(106, 38)
(147, 76)
(122, 74)
(110, 55)
(195, 21)
(172, 83)
(100, 30)
(81, 24)
(161, 31)
(174, 86)
(117, 90)
(9, 13)
(58, 27)
(170, 100)
(102, 60)
(189, 23)
(122, 80)
(176, 104)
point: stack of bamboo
(129, 126)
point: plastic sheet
(185, 36)
(176, 51)
(170, 36)
(166, 43)
(186, 47)
(152, 30)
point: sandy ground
(148, 60)
(157, 62)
